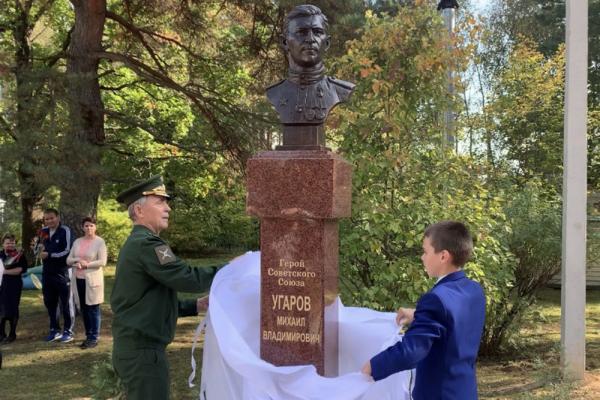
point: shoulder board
(275, 84)
(339, 82)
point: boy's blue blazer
(442, 342)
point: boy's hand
(366, 369)
(405, 316)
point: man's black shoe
(88, 344)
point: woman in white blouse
(87, 257)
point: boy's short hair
(453, 237)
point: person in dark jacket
(56, 276)
(15, 265)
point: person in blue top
(445, 329)
(56, 275)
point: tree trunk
(82, 174)
(26, 121)
(31, 209)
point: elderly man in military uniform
(306, 97)
(144, 297)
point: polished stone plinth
(299, 196)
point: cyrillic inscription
(290, 303)
(286, 336)
(286, 320)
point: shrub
(113, 226)
(403, 178)
(105, 381)
(381, 244)
(211, 222)
(534, 238)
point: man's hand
(44, 255)
(405, 316)
(366, 369)
(202, 304)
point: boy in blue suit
(445, 329)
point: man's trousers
(143, 371)
(57, 292)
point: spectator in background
(15, 265)
(88, 257)
(56, 276)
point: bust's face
(306, 41)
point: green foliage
(594, 150)
(534, 214)
(523, 62)
(523, 115)
(543, 23)
(105, 381)
(10, 210)
(382, 243)
(209, 209)
(402, 182)
(528, 113)
(534, 238)
(32, 106)
(113, 226)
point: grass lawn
(62, 371)
(532, 371)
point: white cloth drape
(232, 368)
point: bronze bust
(306, 97)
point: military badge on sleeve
(164, 254)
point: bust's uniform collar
(307, 77)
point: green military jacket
(144, 297)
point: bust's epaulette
(339, 82)
(275, 84)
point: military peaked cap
(154, 186)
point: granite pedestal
(299, 196)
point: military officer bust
(306, 97)
(144, 297)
